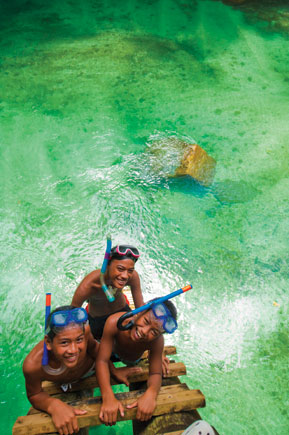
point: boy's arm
(63, 415)
(110, 405)
(92, 343)
(120, 374)
(147, 402)
(83, 291)
(136, 290)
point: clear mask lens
(159, 310)
(170, 325)
(59, 319)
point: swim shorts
(97, 323)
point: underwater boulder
(198, 164)
(172, 157)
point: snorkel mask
(60, 319)
(125, 251)
(163, 315)
(159, 309)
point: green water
(86, 87)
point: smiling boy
(72, 352)
(119, 273)
(129, 345)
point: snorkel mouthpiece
(145, 307)
(107, 293)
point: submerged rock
(173, 157)
(198, 164)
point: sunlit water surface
(86, 87)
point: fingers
(165, 366)
(136, 370)
(109, 416)
(132, 405)
(69, 428)
(143, 416)
(72, 427)
(121, 410)
(79, 411)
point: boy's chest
(128, 349)
(72, 374)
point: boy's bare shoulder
(113, 319)
(91, 278)
(32, 362)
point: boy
(145, 334)
(119, 273)
(72, 352)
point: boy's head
(63, 317)
(65, 335)
(158, 319)
(121, 265)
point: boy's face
(146, 327)
(69, 345)
(120, 272)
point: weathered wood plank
(168, 350)
(167, 402)
(175, 369)
(74, 398)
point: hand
(64, 417)
(109, 410)
(165, 366)
(145, 406)
(121, 374)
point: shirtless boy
(119, 273)
(72, 352)
(145, 334)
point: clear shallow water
(85, 89)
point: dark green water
(85, 88)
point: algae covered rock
(173, 157)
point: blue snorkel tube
(47, 312)
(108, 294)
(147, 306)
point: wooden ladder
(175, 410)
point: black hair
(115, 256)
(54, 330)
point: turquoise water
(86, 87)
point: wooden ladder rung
(172, 398)
(175, 369)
